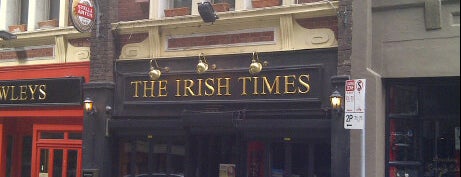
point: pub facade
(267, 124)
(245, 96)
(41, 119)
(44, 63)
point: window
(300, 159)
(51, 135)
(158, 156)
(24, 12)
(54, 10)
(230, 2)
(181, 3)
(9, 155)
(57, 151)
(26, 156)
(423, 127)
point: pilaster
(340, 141)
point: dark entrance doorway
(209, 152)
(288, 158)
(152, 156)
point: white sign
(354, 106)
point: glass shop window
(9, 155)
(294, 159)
(26, 156)
(51, 135)
(142, 157)
(403, 100)
(423, 130)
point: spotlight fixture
(155, 72)
(256, 66)
(5, 35)
(206, 11)
(202, 65)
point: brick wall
(80, 42)
(221, 39)
(320, 22)
(344, 37)
(102, 45)
(28, 53)
(130, 10)
(132, 38)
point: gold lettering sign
(23, 92)
(42, 92)
(223, 86)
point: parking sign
(354, 108)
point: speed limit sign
(354, 106)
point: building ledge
(298, 11)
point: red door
(57, 151)
(2, 157)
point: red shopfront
(41, 120)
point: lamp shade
(88, 105)
(336, 100)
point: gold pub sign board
(67, 91)
(294, 83)
(83, 14)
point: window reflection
(44, 155)
(51, 135)
(403, 100)
(152, 156)
(72, 160)
(424, 142)
(57, 162)
(26, 156)
(292, 159)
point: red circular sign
(83, 14)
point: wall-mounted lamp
(155, 72)
(202, 65)
(336, 100)
(88, 106)
(256, 66)
(206, 11)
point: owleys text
(23, 92)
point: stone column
(98, 145)
(340, 141)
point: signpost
(354, 112)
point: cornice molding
(69, 32)
(310, 10)
(299, 11)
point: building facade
(42, 72)
(409, 53)
(226, 120)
